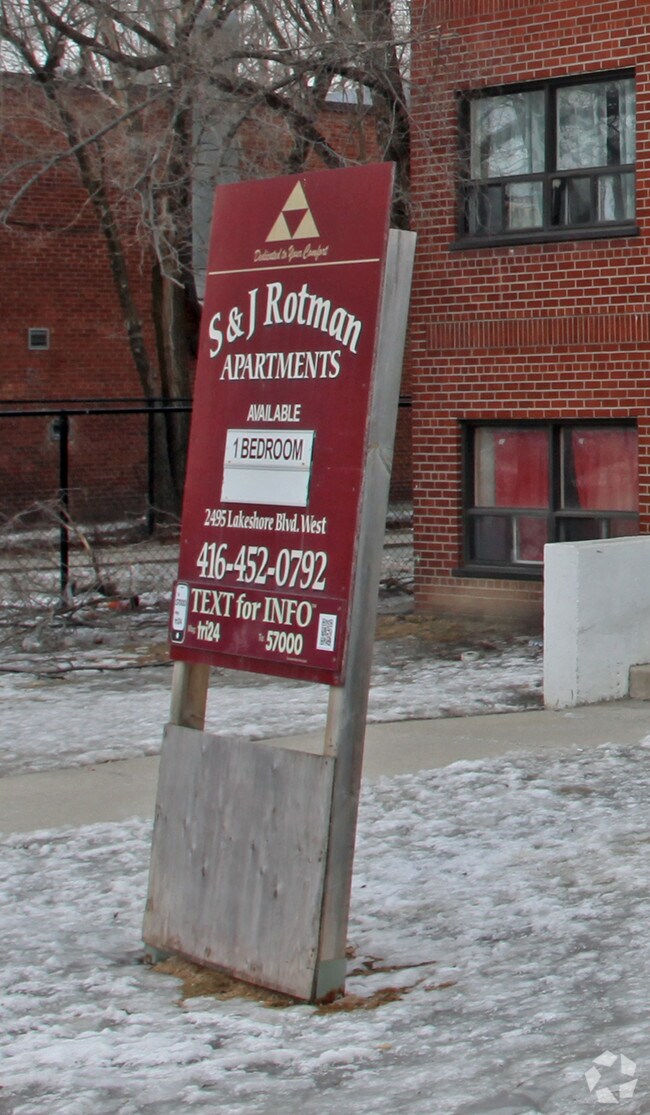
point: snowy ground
(506, 902)
(46, 698)
(498, 931)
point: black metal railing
(83, 511)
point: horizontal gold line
(295, 266)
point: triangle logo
(295, 221)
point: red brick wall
(61, 281)
(554, 330)
(55, 270)
(56, 275)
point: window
(549, 161)
(528, 484)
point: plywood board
(238, 857)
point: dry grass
(198, 982)
(441, 630)
(350, 1003)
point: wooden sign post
(283, 523)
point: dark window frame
(553, 180)
(556, 516)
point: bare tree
(152, 98)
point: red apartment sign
(281, 402)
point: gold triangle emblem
(295, 221)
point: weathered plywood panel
(238, 857)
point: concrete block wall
(596, 618)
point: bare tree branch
(64, 155)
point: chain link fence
(81, 525)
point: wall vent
(38, 339)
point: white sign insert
(267, 467)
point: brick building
(63, 336)
(530, 325)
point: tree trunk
(174, 358)
(166, 452)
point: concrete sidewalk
(113, 791)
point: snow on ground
(54, 716)
(500, 911)
(506, 902)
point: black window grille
(550, 160)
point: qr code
(326, 639)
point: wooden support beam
(346, 721)
(189, 694)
